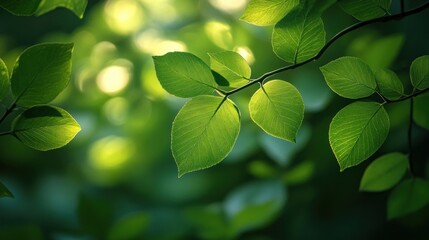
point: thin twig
(410, 137)
(8, 111)
(349, 29)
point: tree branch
(410, 137)
(349, 29)
(415, 94)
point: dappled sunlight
(124, 16)
(246, 53)
(110, 153)
(113, 79)
(219, 33)
(229, 6)
(152, 43)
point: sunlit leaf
(421, 111)
(204, 132)
(4, 192)
(129, 227)
(349, 77)
(20, 7)
(419, 72)
(76, 6)
(299, 36)
(365, 9)
(254, 205)
(278, 109)
(358, 131)
(45, 127)
(4, 80)
(389, 84)
(408, 197)
(384, 172)
(267, 12)
(184, 75)
(41, 73)
(231, 66)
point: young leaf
(408, 197)
(45, 127)
(421, 111)
(4, 192)
(364, 10)
(254, 205)
(299, 36)
(20, 7)
(204, 132)
(184, 75)
(76, 6)
(130, 227)
(267, 12)
(41, 73)
(278, 109)
(419, 72)
(384, 172)
(389, 84)
(4, 80)
(349, 77)
(358, 131)
(231, 66)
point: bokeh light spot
(113, 79)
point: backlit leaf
(389, 84)
(267, 12)
(76, 6)
(204, 132)
(364, 10)
(20, 7)
(4, 192)
(299, 36)
(45, 127)
(408, 197)
(419, 72)
(41, 73)
(278, 109)
(384, 172)
(184, 75)
(358, 131)
(231, 66)
(349, 77)
(4, 80)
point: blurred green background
(117, 179)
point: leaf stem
(410, 137)
(6, 133)
(349, 29)
(8, 111)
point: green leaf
(389, 84)
(382, 52)
(76, 6)
(419, 72)
(384, 172)
(267, 12)
(421, 111)
(349, 77)
(231, 66)
(129, 227)
(184, 75)
(408, 197)
(4, 80)
(45, 127)
(364, 10)
(41, 73)
(4, 192)
(20, 7)
(254, 205)
(278, 109)
(358, 131)
(299, 36)
(204, 132)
